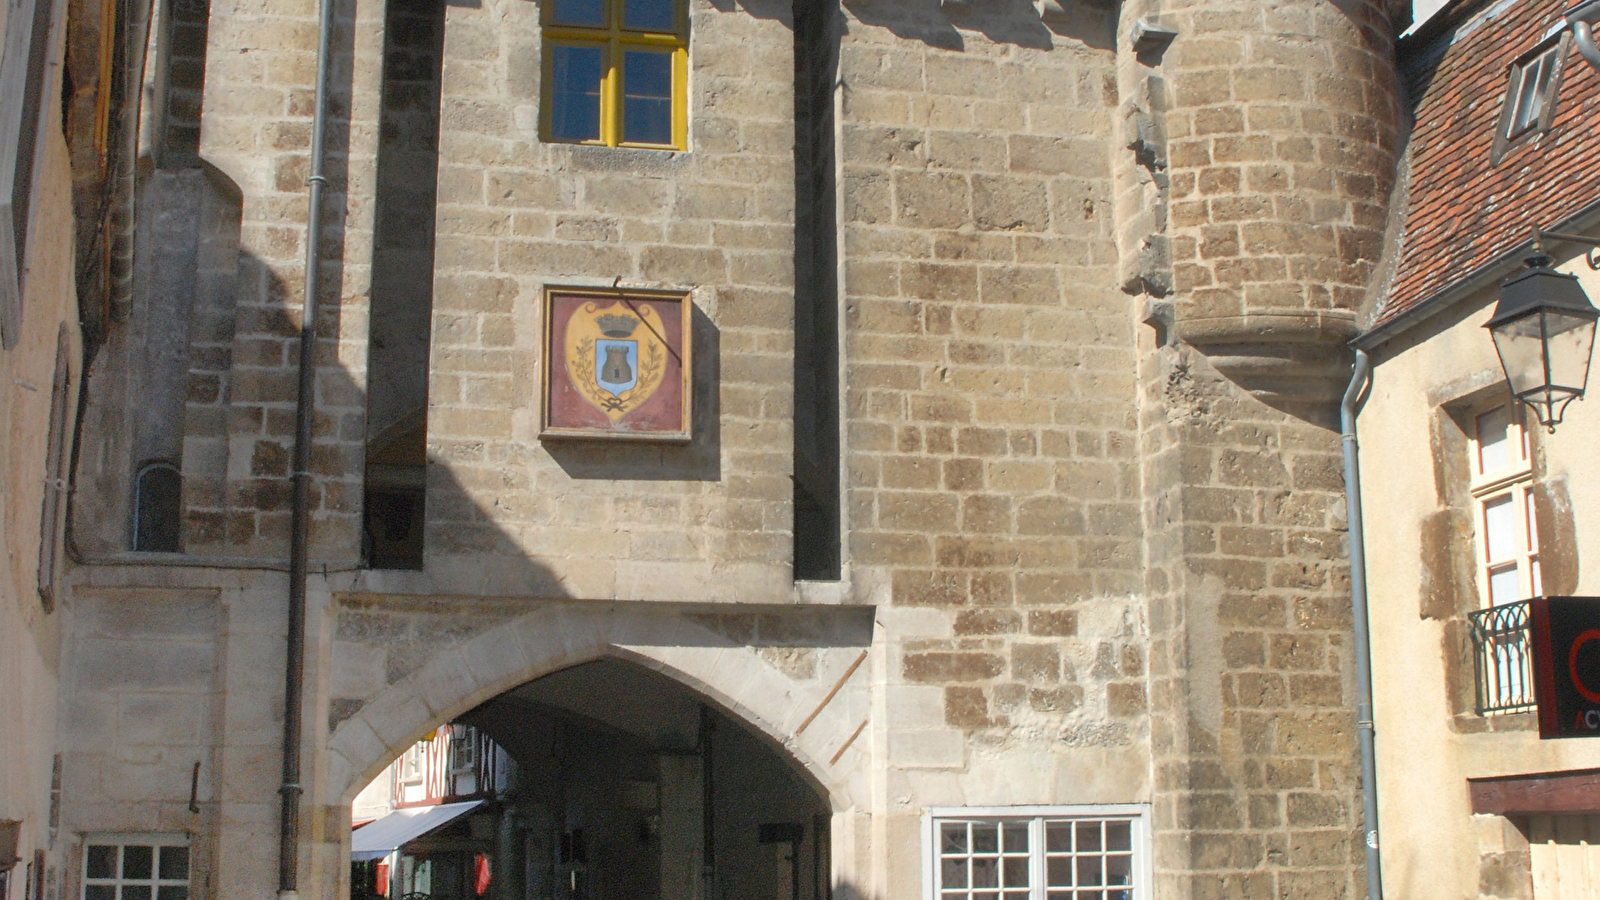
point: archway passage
(603, 781)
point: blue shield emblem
(616, 365)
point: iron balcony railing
(1503, 654)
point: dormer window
(1531, 96)
(1530, 91)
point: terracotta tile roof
(1462, 212)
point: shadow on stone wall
(940, 24)
(1001, 21)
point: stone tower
(1017, 331)
(1263, 145)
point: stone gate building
(1007, 490)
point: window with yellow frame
(616, 73)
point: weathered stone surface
(1101, 570)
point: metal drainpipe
(1358, 604)
(300, 503)
(1584, 38)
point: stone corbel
(1150, 38)
(1144, 136)
(1288, 358)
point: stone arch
(684, 644)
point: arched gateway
(750, 716)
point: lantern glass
(1520, 344)
(1571, 341)
(1546, 355)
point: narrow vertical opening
(157, 495)
(817, 539)
(180, 83)
(50, 510)
(402, 286)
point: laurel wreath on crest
(581, 368)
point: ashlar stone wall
(708, 520)
(1260, 143)
(1104, 563)
(1256, 783)
(992, 473)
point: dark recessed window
(157, 498)
(1531, 95)
(148, 867)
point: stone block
(987, 622)
(930, 200)
(944, 667)
(942, 748)
(915, 588)
(1009, 204)
(1035, 663)
(120, 665)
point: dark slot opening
(156, 503)
(395, 500)
(816, 305)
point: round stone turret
(1281, 147)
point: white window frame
(413, 764)
(1528, 102)
(1520, 120)
(1513, 480)
(464, 752)
(141, 839)
(1138, 813)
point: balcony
(1502, 651)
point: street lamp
(1543, 330)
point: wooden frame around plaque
(617, 364)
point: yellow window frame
(613, 41)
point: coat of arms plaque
(616, 364)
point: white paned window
(1508, 538)
(1036, 853)
(136, 867)
(463, 750)
(411, 763)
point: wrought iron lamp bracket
(1592, 257)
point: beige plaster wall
(1431, 840)
(31, 636)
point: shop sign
(1566, 665)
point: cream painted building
(1432, 740)
(52, 168)
(1471, 507)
